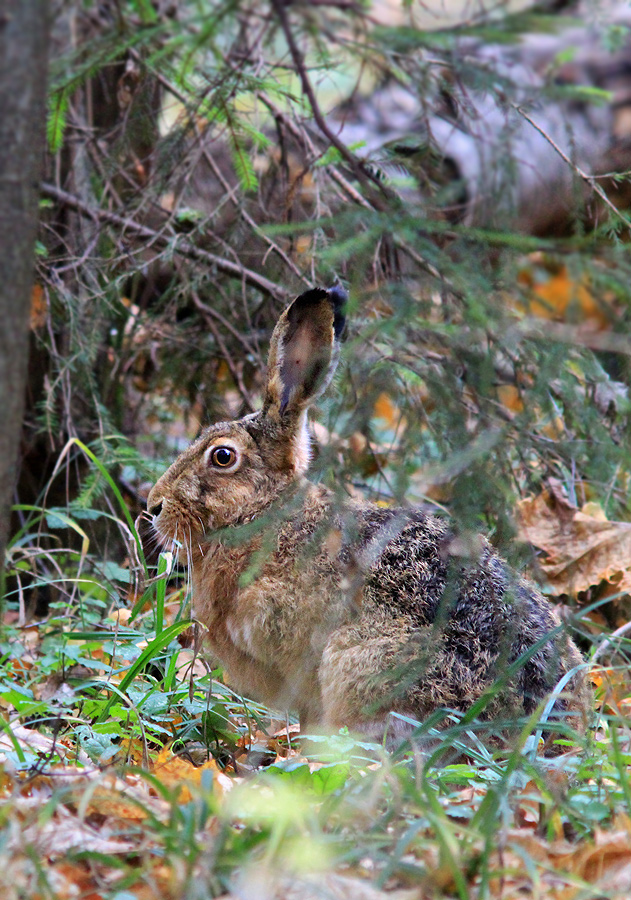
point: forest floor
(129, 771)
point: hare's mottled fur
(345, 611)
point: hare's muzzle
(155, 499)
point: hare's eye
(223, 457)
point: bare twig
(348, 189)
(359, 168)
(178, 245)
(250, 221)
(234, 370)
(179, 95)
(225, 323)
(354, 194)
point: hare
(346, 611)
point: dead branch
(178, 245)
(207, 314)
(179, 95)
(362, 172)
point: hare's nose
(155, 510)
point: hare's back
(418, 568)
(478, 615)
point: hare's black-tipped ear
(304, 351)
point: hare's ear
(304, 352)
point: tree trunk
(24, 38)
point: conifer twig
(358, 167)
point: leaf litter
(71, 811)
(582, 547)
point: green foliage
(457, 351)
(57, 121)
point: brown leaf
(603, 863)
(528, 808)
(64, 833)
(606, 862)
(583, 548)
(35, 742)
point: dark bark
(24, 38)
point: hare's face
(223, 479)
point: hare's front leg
(271, 624)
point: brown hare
(346, 611)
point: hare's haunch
(345, 612)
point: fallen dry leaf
(582, 547)
(176, 772)
(564, 869)
(528, 806)
(38, 743)
(120, 616)
(329, 885)
(64, 833)
(605, 863)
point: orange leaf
(179, 773)
(559, 297)
(39, 307)
(509, 396)
(387, 410)
(613, 687)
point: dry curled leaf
(582, 547)
(29, 740)
(67, 832)
(604, 864)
